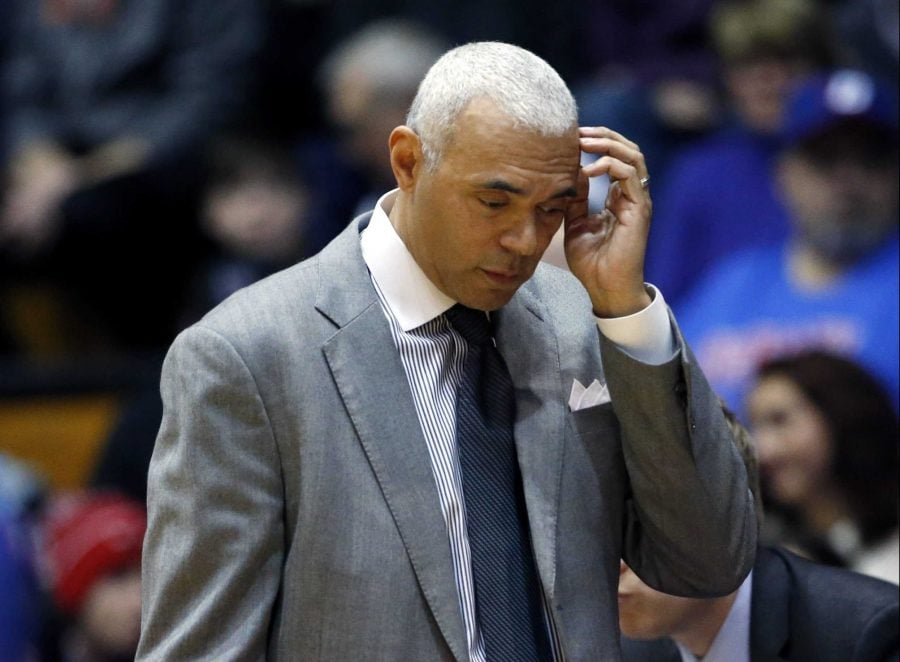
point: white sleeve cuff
(645, 335)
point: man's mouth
(503, 276)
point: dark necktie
(506, 584)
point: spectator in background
(827, 438)
(834, 283)
(369, 81)
(91, 555)
(254, 210)
(720, 195)
(109, 102)
(787, 609)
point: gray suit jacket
(292, 510)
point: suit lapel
(528, 346)
(368, 374)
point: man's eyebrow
(501, 185)
(569, 192)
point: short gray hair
(391, 55)
(521, 84)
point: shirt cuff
(645, 335)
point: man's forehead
(484, 114)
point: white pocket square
(582, 398)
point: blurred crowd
(157, 155)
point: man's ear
(406, 156)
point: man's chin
(489, 300)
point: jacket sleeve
(690, 525)
(214, 545)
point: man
(787, 609)
(838, 175)
(313, 493)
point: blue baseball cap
(822, 101)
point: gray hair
(521, 84)
(391, 55)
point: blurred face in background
(365, 117)
(258, 217)
(841, 188)
(793, 442)
(110, 617)
(759, 86)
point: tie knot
(472, 324)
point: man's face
(759, 87)
(111, 615)
(363, 116)
(645, 613)
(841, 189)
(795, 444)
(479, 222)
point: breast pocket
(595, 466)
(597, 420)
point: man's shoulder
(831, 611)
(288, 296)
(859, 593)
(266, 299)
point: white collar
(411, 296)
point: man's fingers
(606, 132)
(618, 171)
(618, 150)
(621, 159)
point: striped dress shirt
(433, 355)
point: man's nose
(522, 239)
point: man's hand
(606, 250)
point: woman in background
(826, 433)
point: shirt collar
(411, 296)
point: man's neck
(700, 633)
